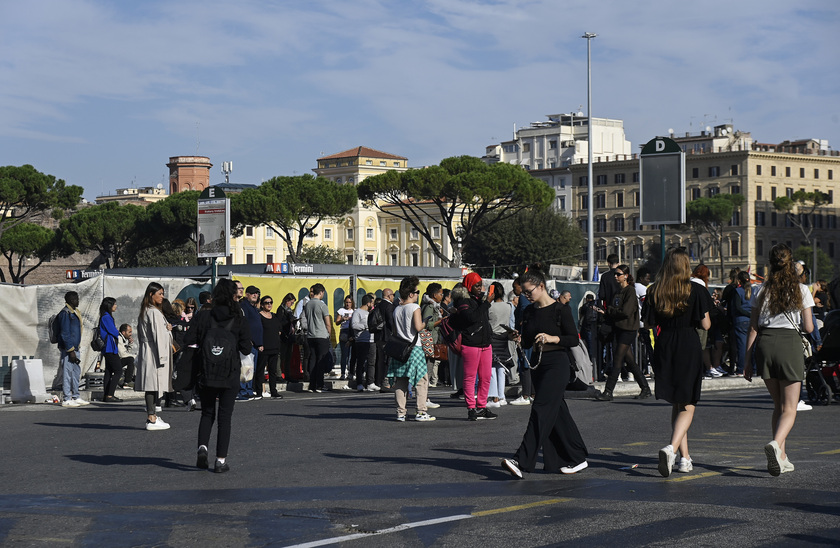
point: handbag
(807, 350)
(246, 372)
(441, 352)
(400, 349)
(427, 342)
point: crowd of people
(474, 338)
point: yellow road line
(637, 443)
(696, 476)
(518, 507)
(832, 452)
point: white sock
(200, 447)
(220, 461)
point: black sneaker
(486, 414)
(201, 461)
(221, 468)
(472, 415)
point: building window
(249, 258)
(714, 191)
(338, 180)
(600, 225)
(601, 180)
(415, 259)
(735, 189)
(831, 196)
(350, 180)
(637, 198)
(758, 170)
(758, 193)
(714, 171)
(759, 248)
(772, 171)
(415, 234)
(787, 171)
(539, 165)
(618, 223)
(816, 173)
(772, 193)
(552, 145)
(393, 233)
(349, 259)
(269, 232)
(584, 201)
(526, 147)
(619, 178)
(269, 258)
(435, 232)
(600, 201)
(368, 162)
(526, 167)
(369, 259)
(328, 234)
(760, 218)
(733, 170)
(561, 203)
(773, 219)
(601, 252)
(830, 174)
(582, 181)
(634, 224)
(350, 235)
(831, 221)
(369, 233)
(619, 199)
(695, 193)
(831, 249)
(394, 259)
(638, 250)
(309, 233)
(584, 227)
(789, 192)
(249, 231)
(695, 173)
(801, 172)
(383, 163)
(736, 218)
(733, 248)
(396, 164)
(635, 176)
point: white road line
(403, 527)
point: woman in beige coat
(154, 359)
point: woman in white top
(345, 337)
(781, 305)
(408, 321)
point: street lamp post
(590, 212)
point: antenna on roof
(197, 139)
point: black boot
(645, 393)
(606, 395)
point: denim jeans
(246, 389)
(71, 378)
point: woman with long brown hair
(677, 306)
(781, 305)
(154, 358)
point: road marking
(696, 476)
(636, 443)
(519, 507)
(832, 452)
(424, 523)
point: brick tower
(188, 173)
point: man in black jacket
(473, 320)
(387, 309)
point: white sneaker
(666, 460)
(491, 403)
(512, 467)
(266, 394)
(372, 388)
(158, 409)
(715, 373)
(159, 424)
(423, 417)
(774, 458)
(70, 403)
(502, 402)
(574, 469)
(802, 406)
(400, 418)
(81, 402)
(431, 405)
(685, 465)
(521, 400)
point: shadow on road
(122, 460)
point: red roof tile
(363, 152)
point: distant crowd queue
(474, 338)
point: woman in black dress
(677, 306)
(550, 328)
(272, 324)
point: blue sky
(101, 93)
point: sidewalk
(629, 389)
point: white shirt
(781, 321)
(404, 322)
(345, 312)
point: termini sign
(289, 268)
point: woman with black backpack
(220, 334)
(111, 353)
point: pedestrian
(473, 321)
(782, 304)
(726, 298)
(287, 337)
(174, 314)
(111, 353)
(345, 336)
(523, 355)
(503, 348)
(221, 333)
(154, 358)
(431, 312)
(623, 312)
(364, 347)
(249, 304)
(456, 360)
(677, 307)
(590, 317)
(740, 311)
(408, 322)
(70, 326)
(267, 359)
(190, 308)
(549, 328)
(126, 352)
(319, 329)
(386, 311)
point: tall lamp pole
(590, 217)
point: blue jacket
(71, 330)
(252, 315)
(109, 333)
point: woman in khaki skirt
(782, 304)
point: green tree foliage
(710, 217)
(825, 267)
(527, 237)
(321, 254)
(172, 220)
(110, 229)
(461, 195)
(800, 209)
(22, 242)
(26, 192)
(167, 255)
(293, 207)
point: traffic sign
(662, 188)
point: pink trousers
(477, 362)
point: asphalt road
(337, 469)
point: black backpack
(376, 321)
(219, 354)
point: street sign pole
(213, 238)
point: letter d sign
(660, 145)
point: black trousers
(113, 370)
(265, 360)
(128, 363)
(551, 426)
(320, 351)
(226, 400)
(365, 367)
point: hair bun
(538, 267)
